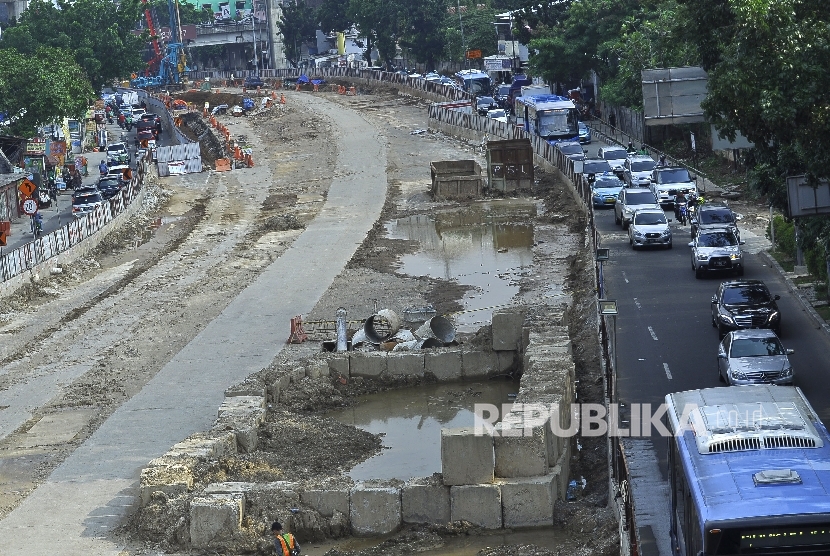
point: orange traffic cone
(238, 153)
(273, 95)
(250, 161)
(282, 98)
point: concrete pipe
(437, 327)
(382, 326)
(431, 343)
(342, 342)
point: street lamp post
(608, 307)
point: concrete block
(528, 502)
(326, 502)
(247, 388)
(507, 360)
(368, 365)
(172, 479)
(479, 364)
(339, 366)
(444, 364)
(201, 446)
(466, 458)
(425, 501)
(374, 510)
(405, 364)
(507, 328)
(317, 368)
(297, 374)
(520, 455)
(478, 504)
(243, 415)
(215, 518)
(277, 387)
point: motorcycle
(681, 212)
(37, 225)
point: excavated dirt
(193, 230)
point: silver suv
(709, 216)
(717, 249)
(637, 170)
(629, 200)
(649, 228)
(668, 182)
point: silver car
(649, 228)
(628, 201)
(615, 156)
(637, 171)
(754, 357)
(717, 249)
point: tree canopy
(97, 34)
(39, 88)
(297, 25)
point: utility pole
(461, 24)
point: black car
(485, 104)
(109, 187)
(741, 304)
(253, 81)
(714, 216)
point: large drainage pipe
(439, 328)
(382, 326)
(342, 342)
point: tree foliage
(297, 24)
(421, 29)
(40, 88)
(97, 33)
(479, 32)
(333, 16)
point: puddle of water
(412, 419)
(486, 246)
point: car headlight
(627, 211)
(637, 234)
(665, 233)
(737, 375)
(787, 372)
(726, 317)
(773, 316)
(702, 257)
(736, 256)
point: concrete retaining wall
(511, 476)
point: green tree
(422, 24)
(97, 33)
(40, 88)
(380, 22)
(333, 16)
(297, 24)
(479, 31)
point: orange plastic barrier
(223, 165)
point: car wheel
(720, 375)
(741, 271)
(714, 322)
(670, 245)
(616, 218)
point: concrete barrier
(375, 509)
(478, 504)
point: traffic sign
(473, 54)
(27, 188)
(2, 238)
(30, 207)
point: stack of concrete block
(243, 415)
(425, 500)
(466, 457)
(478, 504)
(172, 473)
(520, 445)
(529, 502)
(215, 519)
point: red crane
(154, 63)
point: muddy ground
(195, 232)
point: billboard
(804, 199)
(673, 96)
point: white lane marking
(637, 303)
(668, 372)
(653, 335)
(625, 277)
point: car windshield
(614, 154)
(717, 239)
(504, 90)
(595, 167)
(721, 216)
(639, 198)
(486, 100)
(757, 347)
(570, 148)
(678, 175)
(86, 199)
(116, 147)
(642, 166)
(496, 114)
(649, 218)
(607, 182)
(746, 294)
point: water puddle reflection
(487, 245)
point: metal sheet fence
(54, 243)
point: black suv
(714, 216)
(253, 81)
(742, 304)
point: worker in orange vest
(285, 543)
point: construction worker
(285, 543)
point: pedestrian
(612, 119)
(121, 120)
(103, 168)
(77, 180)
(284, 543)
(85, 165)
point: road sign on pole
(27, 188)
(30, 207)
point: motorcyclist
(103, 168)
(643, 150)
(679, 201)
(129, 122)
(662, 161)
(631, 148)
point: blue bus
(749, 471)
(550, 116)
(475, 82)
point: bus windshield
(557, 123)
(477, 86)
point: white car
(668, 182)
(649, 228)
(616, 157)
(630, 200)
(498, 114)
(716, 249)
(637, 170)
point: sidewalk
(78, 508)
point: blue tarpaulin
(247, 104)
(303, 79)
